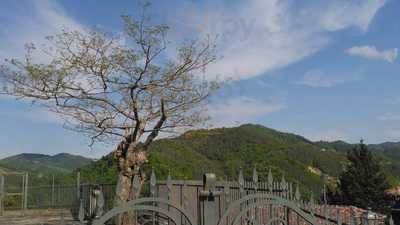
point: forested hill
(225, 150)
(222, 151)
(39, 163)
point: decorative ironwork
(241, 182)
(147, 204)
(225, 203)
(262, 200)
(153, 183)
(169, 185)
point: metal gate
(277, 203)
(15, 192)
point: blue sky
(326, 70)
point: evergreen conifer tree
(363, 183)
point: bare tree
(108, 88)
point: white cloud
(319, 78)
(258, 36)
(238, 110)
(320, 134)
(43, 18)
(370, 52)
(392, 134)
(329, 135)
(343, 13)
(389, 117)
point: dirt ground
(37, 217)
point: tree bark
(129, 160)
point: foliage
(41, 168)
(225, 150)
(364, 183)
(44, 163)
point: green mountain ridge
(40, 163)
(224, 151)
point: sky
(326, 70)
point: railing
(212, 202)
(189, 194)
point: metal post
(52, 193)
(22, 195)
(207, 198)
(78, 185)
(1, 195)
(26, 193)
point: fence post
(207, 198)
(22, 194)
(26, 193)
(1, 194)
(52, 192)
(78, 185)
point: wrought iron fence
(241, 202)
(207, 202)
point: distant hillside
(225, 150)
(387, 152)
(39, 163)
(222, 151)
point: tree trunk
(129, 164)
(124, 194)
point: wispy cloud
(327, 135)
(40, 19)
(389, 117)
(320, 134)
(392, 134)
(258, 36)
(320, 79)
(255, 36)
(238, 110)
(371, 52)
(342, 14)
